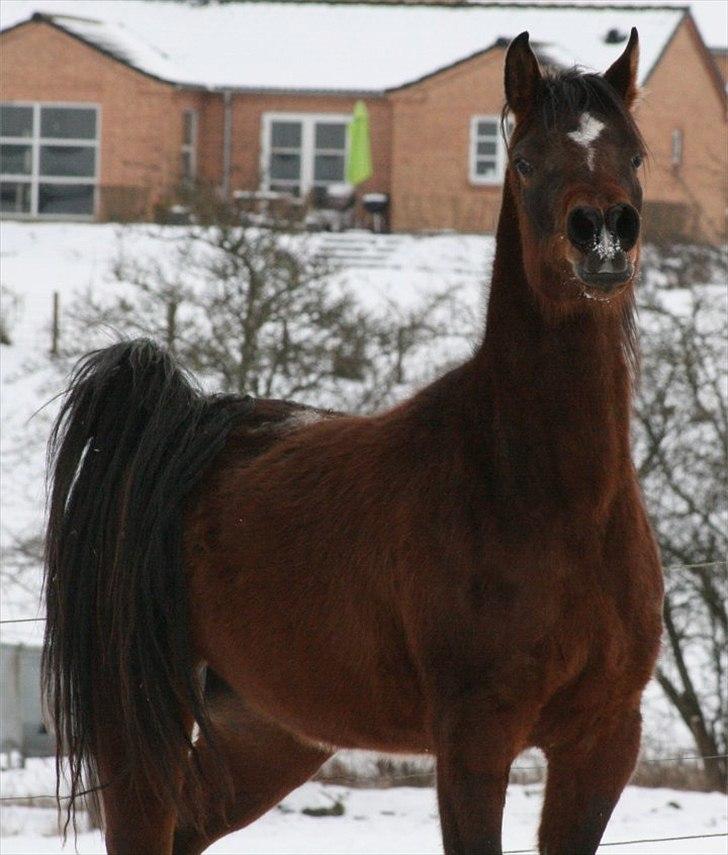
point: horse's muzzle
(603, 239)
(605, 274)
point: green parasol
(359, 166)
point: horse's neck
(556, 392)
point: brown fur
(469, 574)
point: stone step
(358, 250)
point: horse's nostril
(623, 221)
(583, 227)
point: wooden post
(55, 325)
(171, 324)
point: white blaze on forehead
(586, 134)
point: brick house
(105, 119)
(720, 55)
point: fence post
(171, 331)
(55, 325)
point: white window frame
(190, 148)
(35, 179)
(500, 152)
(308, 145)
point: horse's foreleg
(584, 784)
(471, 807)
(263, 762)
(476, 745)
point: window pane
(330, 135)
(68, 123)
(16, 159)
(15, 197)
(188, 131)
(286, 134)
(77, 161)
(16, 121)
(488, 128)
(328, 167)
(677, 147)
(486, 148)
(485, 167)
(285, 166)
(187, 165)
(66, 199)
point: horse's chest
(589, 626)
(603, 641)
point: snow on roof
(341, 47)
(123, 44)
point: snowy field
(398, 821)
(38, 259)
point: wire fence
(425, 776)
(413, 777)
(629, 842)
(697, 566)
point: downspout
(227, 136)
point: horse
(238, 588)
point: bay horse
(468, 574)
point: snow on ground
(404, 820)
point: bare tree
(682, 446)
(260, 311)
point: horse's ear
(623, 73)
(522, 76)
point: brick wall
(431, 186)
(681, 95)
(720, 56)
(140, 117)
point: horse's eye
(523, 167)
(637, 161)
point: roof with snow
(350, 47)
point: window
(676, 147)
(487, 150)
(286, 156)
(189, 145)
(48, 160)
(303, 151)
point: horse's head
(574, 157)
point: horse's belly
(381, 710)
(331, 676)
(336, 706)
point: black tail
(131, 441)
